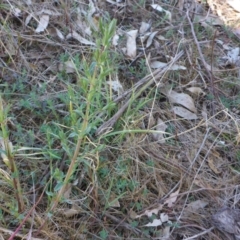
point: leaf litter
(183, 99)
(144, 168)
(43, 23)
(159, 134)
(131, 43)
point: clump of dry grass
(77, 182)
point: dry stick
(200, 234)
(200, 53)
(27, 216)
(148, 80)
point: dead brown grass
(188, 178)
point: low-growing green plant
(66, 125)
(103, 234)
(83, 116)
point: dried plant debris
(119, 119)
(228, 220)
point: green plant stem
(79, 142)
(95, 80)
(68, 175)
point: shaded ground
(163, 166)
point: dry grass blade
(107, 123)
(22, 236)
(200, 234)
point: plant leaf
(184, 113)
(131, 43)
(160, 9)
(149, 213)
(174, 67)
(155, 223)
(150, 39)
(172, 198)
(43, 23)
(144, 27)
(182, 99)
(196, 90)
(158, 222)
(161, 127)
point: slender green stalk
(95, 81)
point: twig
(210, 74)
(200, 234)
(27, 216)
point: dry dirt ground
(162, 163)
